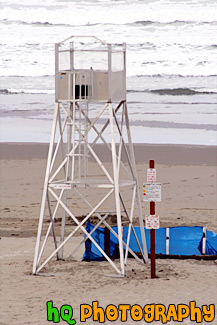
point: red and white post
(152, 235)
(152, 194)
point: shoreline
(170, 154)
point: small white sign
(61, 186)
(152, 222)
(151, 175)
(152, 192)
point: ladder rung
(77, 154)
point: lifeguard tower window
(82, 91)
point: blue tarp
(183, 241)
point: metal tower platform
(90, 121)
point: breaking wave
(175, 22)
(180, 91)
(161, 91)
(174, 91)
(26, 91)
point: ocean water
(171, 64)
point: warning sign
(152, 222)
(151, 175)
(152, 192)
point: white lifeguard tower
(90, 121)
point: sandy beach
(84, 74)
(189, 179)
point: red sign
(151, 175)
(152, 222)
